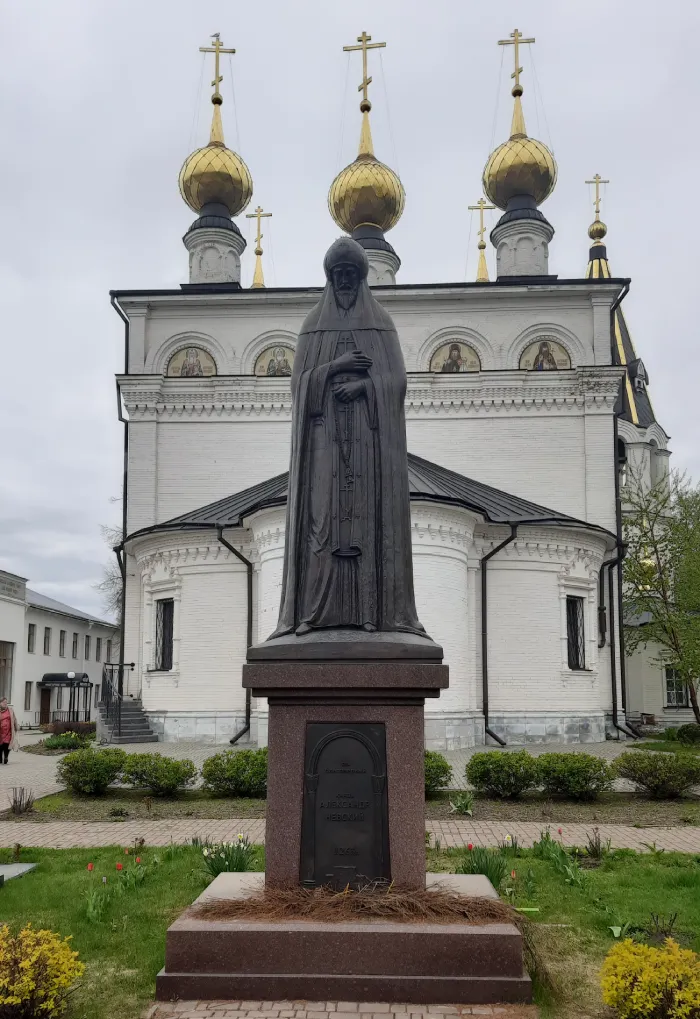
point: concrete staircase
(135, 727)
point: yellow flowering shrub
(643, 982)
(37, 968)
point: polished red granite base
(368, 961)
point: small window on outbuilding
(31, 638)
(676, 690)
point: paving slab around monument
(12, 870)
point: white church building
(525, 404)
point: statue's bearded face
(346, 282)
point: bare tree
(110, 587)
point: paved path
(328, 1010)
(73, 834)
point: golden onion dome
(597, 230)
(520, 166)
(366, 191)
(215, 173)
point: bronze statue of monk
(348, 543)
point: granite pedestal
(387, 695)
(363, 961)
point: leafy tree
(661, 574)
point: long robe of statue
(348, 543)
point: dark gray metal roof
(427, 481)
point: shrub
(37, 969)
(162, 775)
(642, 981)
(85, 729)
(689, 733)
(664, 776)
(438, 772)
(21, 801)
(65, 741)
(91, 771)
(502, 774)
(577, 776)
(236, 773)
(670, 733)
(229, 856)
(484, 861)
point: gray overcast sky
(99, 109)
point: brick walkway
(327, 1010)
(76, 834)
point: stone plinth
(363, 961)
(391, 693)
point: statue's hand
(354, 361)
(348, 391)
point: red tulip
(91, 866)
(120, 866)
(470, 846)
(138, 859)
(559, 830)
(512, 874)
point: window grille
(575, 636)
(31, 638)
(62, 643)
(86, 656)
(164, 634)
(47, 640)
(676, 690)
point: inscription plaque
(345, 831)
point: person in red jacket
(8, 731)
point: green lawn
(668, 746)
(124, 950)
(119, 804)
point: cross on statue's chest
(345, 344)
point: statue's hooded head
(346, 267)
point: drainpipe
(249, 630)
(121, 558)
(484, 634)
(613, 661)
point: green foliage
(438, 772)
(236, 773)
(501, 774)
(484, 861)
(689, 734)
(662, 573)
(90, 771)
(162, 775)
(664, 776)
(577, 776)
(224, 857)
(670, 733)
(565, 865)
(65, 741)
(463, 804)
(84, 729)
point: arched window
(622, 461)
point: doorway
(45, 706)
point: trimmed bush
(438, 772)
(664, 776)
(577, 776)
(236, 773)
(162, 775)
(689, 733)
(90, 771)
(504, 775)
(65, 741)
(645, 982)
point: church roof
(637, 408)
(427, 482)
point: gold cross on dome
(258, 214)
(597, 180)
(481, 205)
(365, 44)
(516, 40)
(216, 49)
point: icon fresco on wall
(455, 357)
(276, 360)
(191, 363)
(545, 355)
